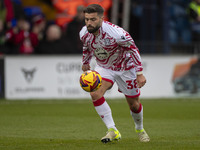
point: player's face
(93, 22)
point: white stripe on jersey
(113, 48)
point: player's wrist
(139, 72)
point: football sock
(104, 111)
(138, 118)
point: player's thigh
(101, 91)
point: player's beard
(92, 29)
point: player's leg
(104, 112)
(137, 114)
(101, 91)
(102, 106)
(136, 111)
(127, 84)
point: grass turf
(74, 125)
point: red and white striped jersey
(113, 48)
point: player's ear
(102, 18)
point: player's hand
(85, 67)
(141, 80)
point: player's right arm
(87, 54)
(85, 67)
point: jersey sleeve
(87, 54)
(124, 39)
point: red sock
(104, 111)
(99, 101)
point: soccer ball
(90, 81)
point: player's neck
(96, 33)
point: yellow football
(90, 81)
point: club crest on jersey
(88, 42)
(122, 37)
(101, 53)
(107, 42)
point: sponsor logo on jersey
(122, 37)
(101, 53)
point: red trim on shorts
(99, 101)
(133, 96)
(108, 80)
(139, 110)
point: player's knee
(134, 107)
(134, 103)
(95, 95)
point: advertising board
(57, 77)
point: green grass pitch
(172, 124)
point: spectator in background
(54, 43)
(2, 37)
(136, 14)
(14, 10)
(39, 26)
(11, 32)
(179, 30)
(66, 11)
(34, 7)
(19, 38)
(9, 11)
(18, 9)
(25, 40)
(194, 15)
(2, 10)
(73, 29)
(2, 27)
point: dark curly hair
(94, 8)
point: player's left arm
(127, 42)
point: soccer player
(118, 60)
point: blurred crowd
(184, 21)
(52, 26)
(182, 15)
(26, 28)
